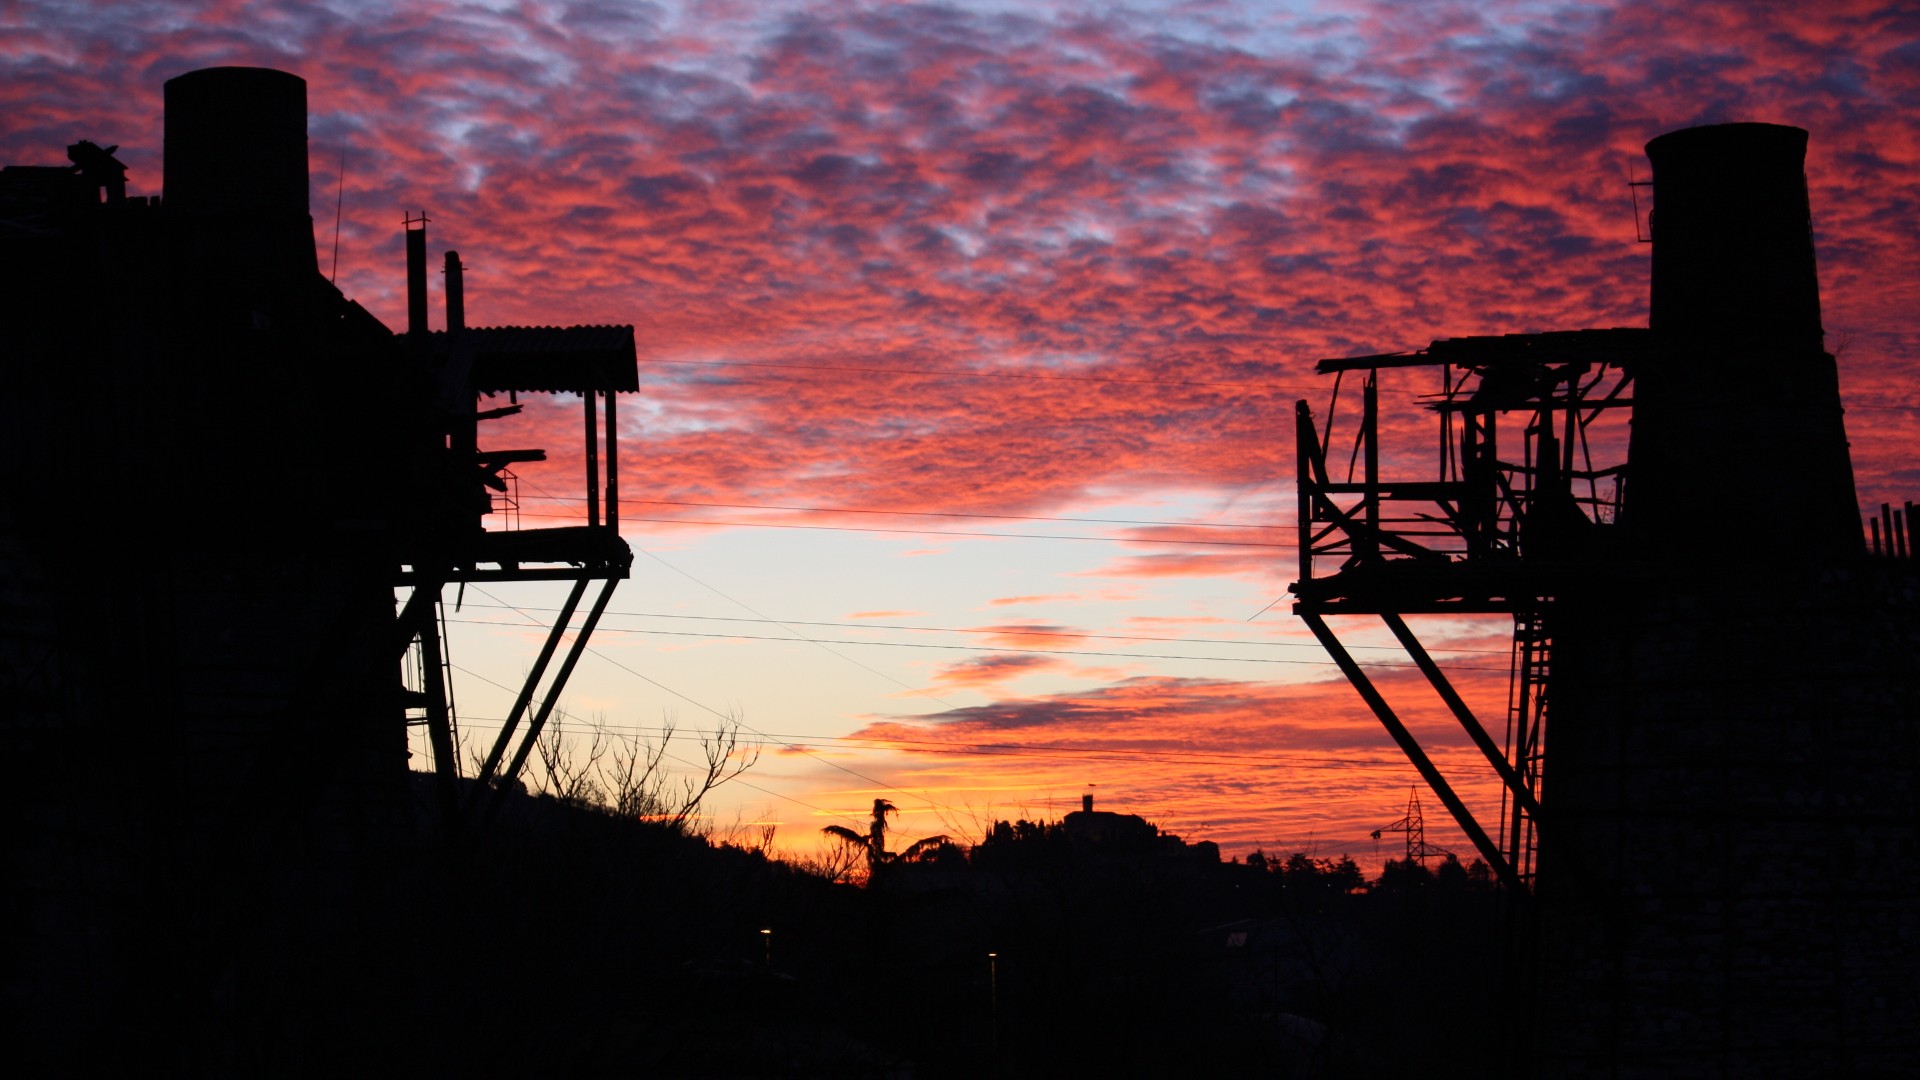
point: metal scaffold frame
(1503, 527)
(449, 542)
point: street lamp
(993, 985)
(993, 999)
(766, 934)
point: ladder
(1526, 734)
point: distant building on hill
(1087, 826)
(1085, 834)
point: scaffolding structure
(1525, 489)
(1710, 666)
(448, 542)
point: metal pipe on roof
(456, 294)
(417, 275)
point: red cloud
(982, 672)
(1033, 635)
(923, 190)
(919, 258)
(1244, 764)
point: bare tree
(640, 785)
(565, 772)
(633, 775)
(636, 772)
(835, 862)
(748, 835)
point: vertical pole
(1371, 423)
(1470, 480)
(1572, 425)
(1306, 452)
(1490, 473)
(1526, 639)
(613, 461)
(593, 459)
(446, 674)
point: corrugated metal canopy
(551, 359)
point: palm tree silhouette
(874, 843)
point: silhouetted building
(1104, 828)
(221, 470)
(1709, 754)
(1733, 771)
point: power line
(1014, 749)
(496, 723)
(1010, 631)
(936, 532)
(625, 501)
(797, 635)
(748, 607)
(855, 773)
(735, 719)
(966, 648)
(933, 804)
(788, 629)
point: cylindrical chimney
(236, 163)
(1733, 237)
(1738, 420)
(236, 142)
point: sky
(969, 336)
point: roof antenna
(1644, 235)
(339, 199)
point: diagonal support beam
(1516, 784)
(520, 703)
(417, 614)
(1411, 747)
(559, 683)
(446, 766)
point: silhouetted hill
(557, 939)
